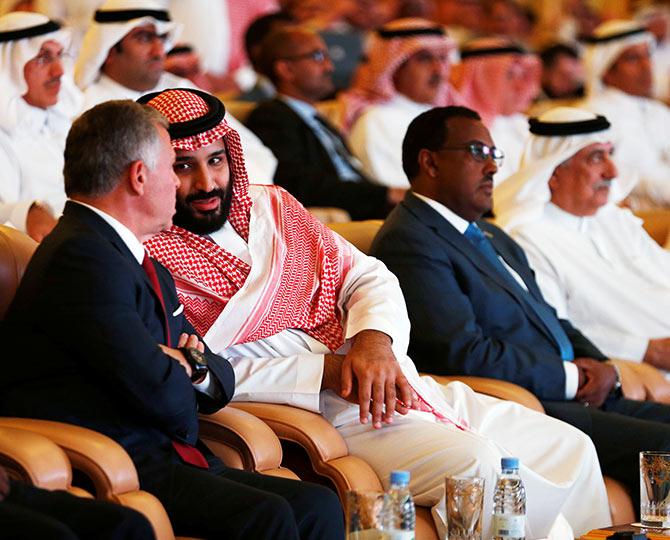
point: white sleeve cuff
(293, 380)
(571, 380)
(204, 385)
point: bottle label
(509, 526)
(400, 535)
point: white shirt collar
(129, 239)
(457, 221)
(302, 108)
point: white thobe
(32, 164)
(604, 274)
(376, 139)
(260, 161)
(640, 135)
(559, 464)
(509, 133)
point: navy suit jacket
(465, 318)
(305, 168)
(83, 334)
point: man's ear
(427, 162)
(553, 180)
(283, 70)
(111, 56)
(137, 177)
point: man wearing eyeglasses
(476, 308)
(37, 102)
(123, 55)
(315, 165)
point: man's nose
(56, 69)
(611, 170)
(204, 180)
(490, 165)
(157, 47)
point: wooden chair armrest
(327, 450)
(496, 388)
(34, 459)
(241, 440)
(308, 429)
(103, 460)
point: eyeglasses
(47, 58)
(480, 152)
(319, 56)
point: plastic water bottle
(402, 515)
(509, 503)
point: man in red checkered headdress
(306, 319)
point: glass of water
(655, 489)
(465, 503)
(366, 515)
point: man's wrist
(616, 387)
(376, 337)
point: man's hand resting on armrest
(370, 375)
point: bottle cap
(400, 478)
(509, 463)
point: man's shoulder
(274, 105)
(404, 230)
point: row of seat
(267, 438)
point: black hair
(550, 54)
(261, 27)
(429, 131)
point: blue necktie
(479, 240)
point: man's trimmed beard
(203, 222)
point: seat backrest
(16, 248)
(359, 233)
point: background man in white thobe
(593, 260)
(499, 79)
(37, 103)
(122, 57)
(619, 85)
(406, 73)
(306, 319)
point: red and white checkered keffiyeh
(497, 84)
(308, 264)
(373, 81)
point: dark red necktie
(190, 454)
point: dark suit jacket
(465, 318)
(83, 333)
(304, 167)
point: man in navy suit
(99, 340)
(315, 165)
(475, 307)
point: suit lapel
(514, 263)
(448, 232)
(95, 222)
